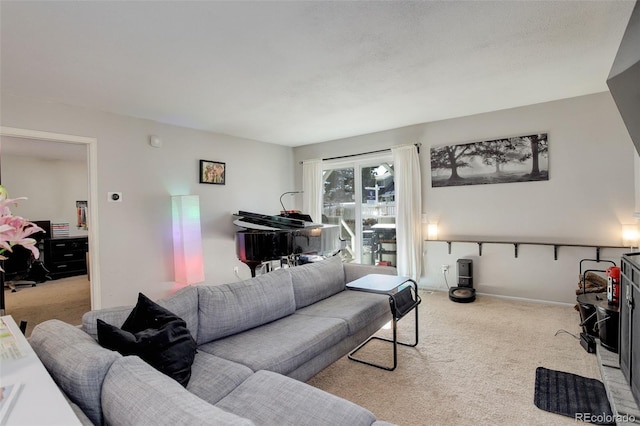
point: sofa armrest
(353, 271)
(75, 361)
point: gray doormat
(580, 398)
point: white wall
(589, 195)
(136, 252)
(51, 186)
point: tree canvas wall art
(516, 159)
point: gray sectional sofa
(258, 341)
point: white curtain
(312, 187)
(408, 188)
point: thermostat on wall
(114, 197)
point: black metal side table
(403, 298)
(607, 318)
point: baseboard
(499, 296)
(525, 299)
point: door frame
(92, 172)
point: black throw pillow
(156, 335)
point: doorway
(359, 196)
(47, 141)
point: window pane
(339, 207)
(378, 215)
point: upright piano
(265, 237)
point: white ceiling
(301, 72)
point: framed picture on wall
(512, 159)
(82, 211)
(213, 172)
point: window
(359, 196)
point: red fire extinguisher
(613, 285)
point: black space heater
(464, 292)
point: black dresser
(66, 256)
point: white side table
(39, 400)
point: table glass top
(377, 283)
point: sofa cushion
(77, 363)
(280, 346)
(156, 335)
(357, 308)
(135, 394)
(232, 308)
(115, 316)
(316, 281)
(213, 377)
(184, 303)
(263, 397)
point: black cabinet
(629, 325)
(66, 256)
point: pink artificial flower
(15, 230)
(6, 202)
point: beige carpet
(475, 364)
(65, 299)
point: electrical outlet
(235, 270)
(445, 269)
